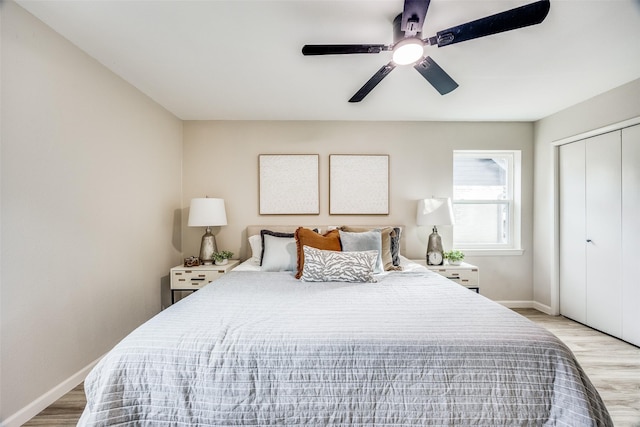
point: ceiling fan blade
(413, 16)
(435, 75)
(373, 82)
(523, 16)
(342, 49)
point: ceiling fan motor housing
(398, 34)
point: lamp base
(208, 247)
(435, 253)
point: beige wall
(221, 160)
(91, 181)
(611, 107)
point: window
(486, 199)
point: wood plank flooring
(612, 365)
(64, 412)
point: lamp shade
(207, 213)
(435, 211)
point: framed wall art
(358, 184)
(289, 184)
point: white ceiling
(241, 60)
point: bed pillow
(390, 244)
(333, 266)
(279, 253)
(255, 243)
(275, 247)
(364, 241)
(279, 249)
(305, 237)
(395, 246)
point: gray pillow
(279, 253)
(367, 241)
(335, 266)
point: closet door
(573, 289)
(631, 234)
(603, 232)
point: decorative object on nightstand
(222, 257)
(192, 261)
(194, 278)
(454, 257)
(207, 212)
(435, 211)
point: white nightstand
(465, 274)
(194, 278)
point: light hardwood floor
(612, 365)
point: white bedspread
(256, 348)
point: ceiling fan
(408, 46)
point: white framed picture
(289, 184)
(358, 184)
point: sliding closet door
(573, 290)
(631, 234)
(603, 232)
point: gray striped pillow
(335, 266)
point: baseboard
(544, 308)
(35, 407)
(517, 304)
(528, 304)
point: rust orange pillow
(329, 241)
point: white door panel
(572, 231)
(631, 234)
(603, 230)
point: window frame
(514, 186)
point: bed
(412, 348)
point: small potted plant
(222, 257)
(454, 257)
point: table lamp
(435, 211)
(207, 213)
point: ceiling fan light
(408, 51)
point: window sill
(492, 252)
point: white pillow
(335, 266)
(279, 254)
(255, 242)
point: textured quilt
(257, 348)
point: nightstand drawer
(192, 279)
(464, 277)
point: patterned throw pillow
(395, 246)
(334, 266)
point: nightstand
(194, 278)
(464, 274)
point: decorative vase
(223, 262)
